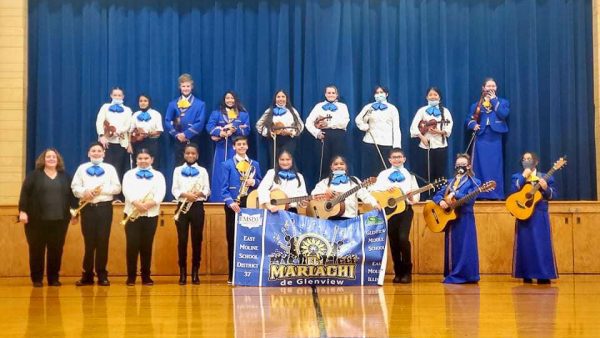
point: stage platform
(574, 226)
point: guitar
(522, 203)
(436, 217)
(278, 198)
(334, 207)
(394, 201)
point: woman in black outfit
(44, 208)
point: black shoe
(54, 283)
(406, 279)
(543, 281)
(397, 279)
(147, 281)
(130, 281)
(527, 280)
(182, 275)
(38, 284)
(195, 277)
(104, 282)
(84, 282)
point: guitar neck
(289, 200)
(536, 186)
(467, 198)
(345, 195)
(418, 191)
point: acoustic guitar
(522, 203)
(278, 198)
(437, 218)
(394, 201)
(324, 209)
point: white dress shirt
(409, 184)
(435, 140)
(109, 181)
(183, 183)
(352, 201)
(384, 125)
(339, 118)
(286, 118)
(150, 126)
(135, 189)
(121, 122)
(289, 187)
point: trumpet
(83, 203)
(248, 175)
(186, 204)
(136, 213)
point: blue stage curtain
(540, 53)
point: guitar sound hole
(328, 206)
(529, 203)
(528, 196)
(273, 202)
(391, 202)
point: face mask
(460, 169)
(527, 164)
(117, 101)
(339, 172)
(96, 161)
(433, 103)
(380, 97)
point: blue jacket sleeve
(501, 107)
(212, 123)
(257, 176)
(198, 123)
(551, 192)
(517, 182)
(244, 129)
(439, 195)
(170, 115)
(469, 122)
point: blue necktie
(278, 111)
(95, 170)
(379, 106)
(144, 116)
(340, 179)
(116, 108)
(396, 176)
(144, 173)
(287, 175)
(189, 171)
(433, 111)
(329, 106)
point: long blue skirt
(533, 254)
(216, 181)
(461, 261)
(488, 162)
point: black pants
(152, 145)
(140, 236)
(398, 233)
(438, 167)
(46, 240)
(96, 222)
(192, 221)
(283, 143)
(334, 144)
(371, 161)
(230, 233)
(119, 158)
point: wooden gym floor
(498, 306)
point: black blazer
(29, 201)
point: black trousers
(140, 237)
(119, 158)
(371, 161)
(334, 144)
(438, 167)
(283, 143)
(46, 240)
(152, 145)
(398, 233)
(96, 220)
(192, 221)
(230, 233)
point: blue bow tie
(278, 111)
(95, 170)
(116, 108)
(329, 106)
(379, 106)
(144, 116)
(189, 171)
(340, 179)
(433, 111)
(144, 173)
(286, 175)
(396, 176)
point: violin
(138, 134)
(424, 126)
(319, 121)
(109, 131)
(278, 128)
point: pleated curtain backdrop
(540, 53)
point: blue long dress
(488, 162)
(533, 254)
(224, 147)
(461, 256)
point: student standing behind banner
(533, 255)
(146, 127)
(95, 183)
(229, 121)
(191, 187)
(281, 123)
(399, 225)
(144, 189)
(434, 142)
(339, 181)
(44, 209)
(488, 121)
(327, 122)
(286, 178)
(461, 260)
(184, 118)
(381, 123)
(241, 174)
(112, 124)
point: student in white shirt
(191, 187)
(339, 181)
(284, 177)
(381, 123)
(327, 122)
(144, 189)
(146, 128)
(96, 183)
(281, 123)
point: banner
(286, 249)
